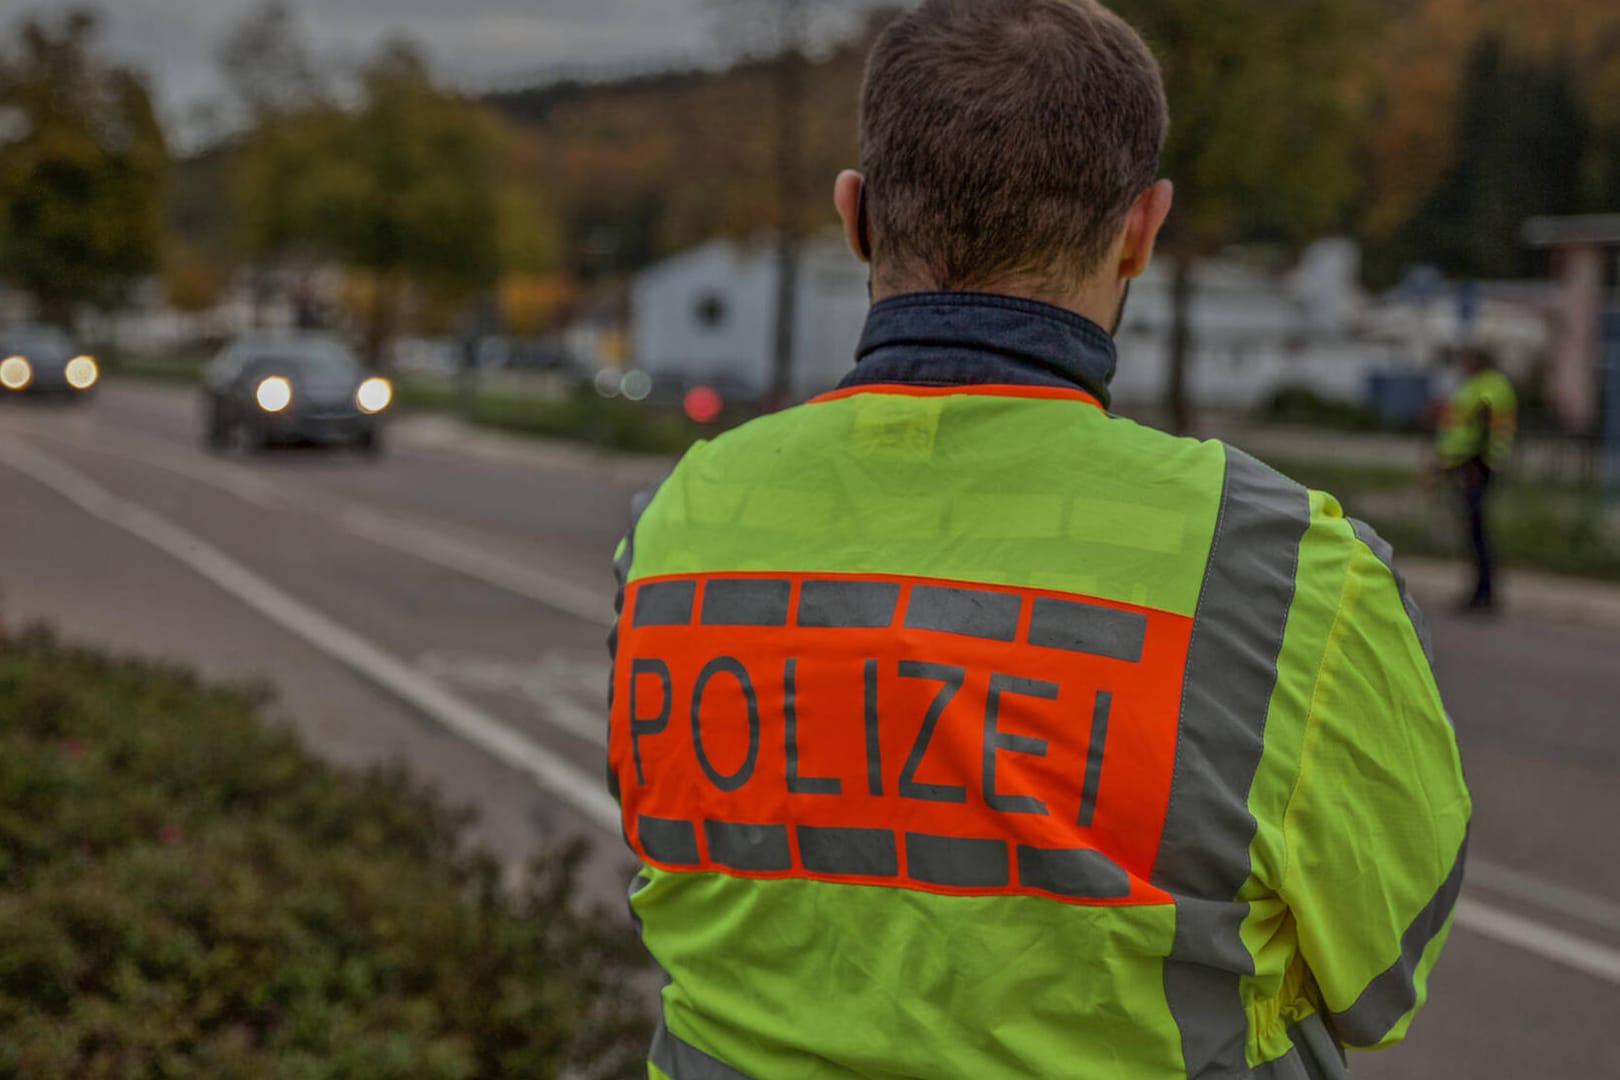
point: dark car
(41, 360)
(302, 388)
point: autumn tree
(397, 181)
(282, 99)
(1520, 150)
(82, 168)
(1267, 105)
(1472, 85)
(408, 191)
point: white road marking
(553, 774)
(1547, 942)
(431, 545)
(405, 536)
(1530, 889)
(544, 685)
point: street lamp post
(1611, 409)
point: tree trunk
(380, 326)
(1181, 343)
(790, 93)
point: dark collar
(968, 338)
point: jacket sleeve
(1376, 829)
(623, 558)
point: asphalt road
(447, 606)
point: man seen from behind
(966, 731)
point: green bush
(637, 427)
(1300, 407)
(581, 415)
(186, 892)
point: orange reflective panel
(935, 735)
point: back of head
(1005, 140)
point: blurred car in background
(43, 360)
(262, 391)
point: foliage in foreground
(185, 892)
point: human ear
(1142, 226)
(847, 198)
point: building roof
(1601, 229)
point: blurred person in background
(967, 731)
(1474, 442)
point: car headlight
(374, 395)
(82, 373)
(15, 373)
(274, 394)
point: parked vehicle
(296, 388)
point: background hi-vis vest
(973, 734)
(1480, 421)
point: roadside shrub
(187, 892)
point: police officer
(1473, 445)
(967, 731)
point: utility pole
(1611, 409)
(791, 78)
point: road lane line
(553, 774)
(402, 535)
(1539, 892)
(433, 546)
(1547, 942)
(240, 483)
(536, 683)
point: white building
(1254, 333)
(710, 314)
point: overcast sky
(475, 42)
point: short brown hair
(1006, 138)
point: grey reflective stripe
(1386, 555)
(1087, 628)
(1203, 857)
(748, 847)
(1315, 1055)
(1393, 993)
(680, 1060)
(855, 852)
(746, 602)
(1291, 1066)
(848, 604)
(969, 612)
(668, 841)
(1323, 1056)
(665, 603)
(951, 860)
(1210, 929)
(1081, 874)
